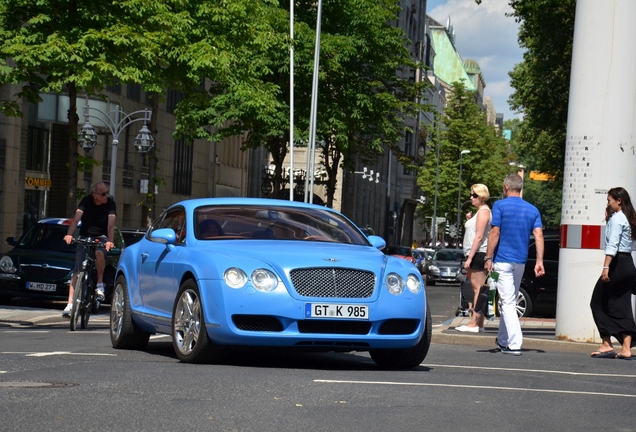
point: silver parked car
(445, 266)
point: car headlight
(413, 283)
(433, 268)
(395, 283)
(235, 277)
(6, 265)
(264, 280)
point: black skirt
(611, 302)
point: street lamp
(116, 121)
(459, 194)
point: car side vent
(333, 282)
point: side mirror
(12, 241)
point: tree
(541, 81)
(545, 195)
(464, 128)
(50, 46)
(80, 46)
(362, 103)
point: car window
(550, 249)
(47, 237)
(449, 256)
(175, 219)
(275, 223)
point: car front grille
(334, 327)
(333, 282)
(44, 271)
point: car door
(547, 284)
(157, 281)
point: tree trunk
(73, 120)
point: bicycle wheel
(77, 299)
(87, 305)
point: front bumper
(253, 318)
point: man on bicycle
(97, 213)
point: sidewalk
(27, 316)
(539, 333)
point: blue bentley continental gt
(220, 272)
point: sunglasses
(474, 195)
(104, 193)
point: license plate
(40, 286)
(322, 310)
(449, 274)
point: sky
(484, 33)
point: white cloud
(484, 33)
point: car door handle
(144, 257)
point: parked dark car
(538, 295)
(41, 263)
(445, 266)
(403, 252)
(132, 236)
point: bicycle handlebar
(88, 241)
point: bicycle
(84, 296)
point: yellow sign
(38, 182)
(536, 175)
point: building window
(128, 175)
(173, 99)
(114, 88)
(408, 149)
(183, 157)
(3, 153)
(37, 158)
(134, 92)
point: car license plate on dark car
(40, 286)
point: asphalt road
(51, 378)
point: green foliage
(464, 128)
(545, 195)
(541, 81)
(362, 101)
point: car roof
(191, 204)
(56, 221)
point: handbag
(491, 281)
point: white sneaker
(467, 329)
(99, 292)
(67, 310)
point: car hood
(446, 263)
(23, 256)
(286, 255)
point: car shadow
(284, 358)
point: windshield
(449, 255)
(46, 237)
(275, 223)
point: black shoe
(507, 350)
(500, 347)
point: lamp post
(459, 194)
(116, 121)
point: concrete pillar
(599, 154)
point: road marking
(23, 330)
(52, 353)
(531, 370)
(477, 387)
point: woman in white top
(476, 233)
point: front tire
(406, 358)
(124, 332)
(189, 336)
(523, 305)
(77, 300)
